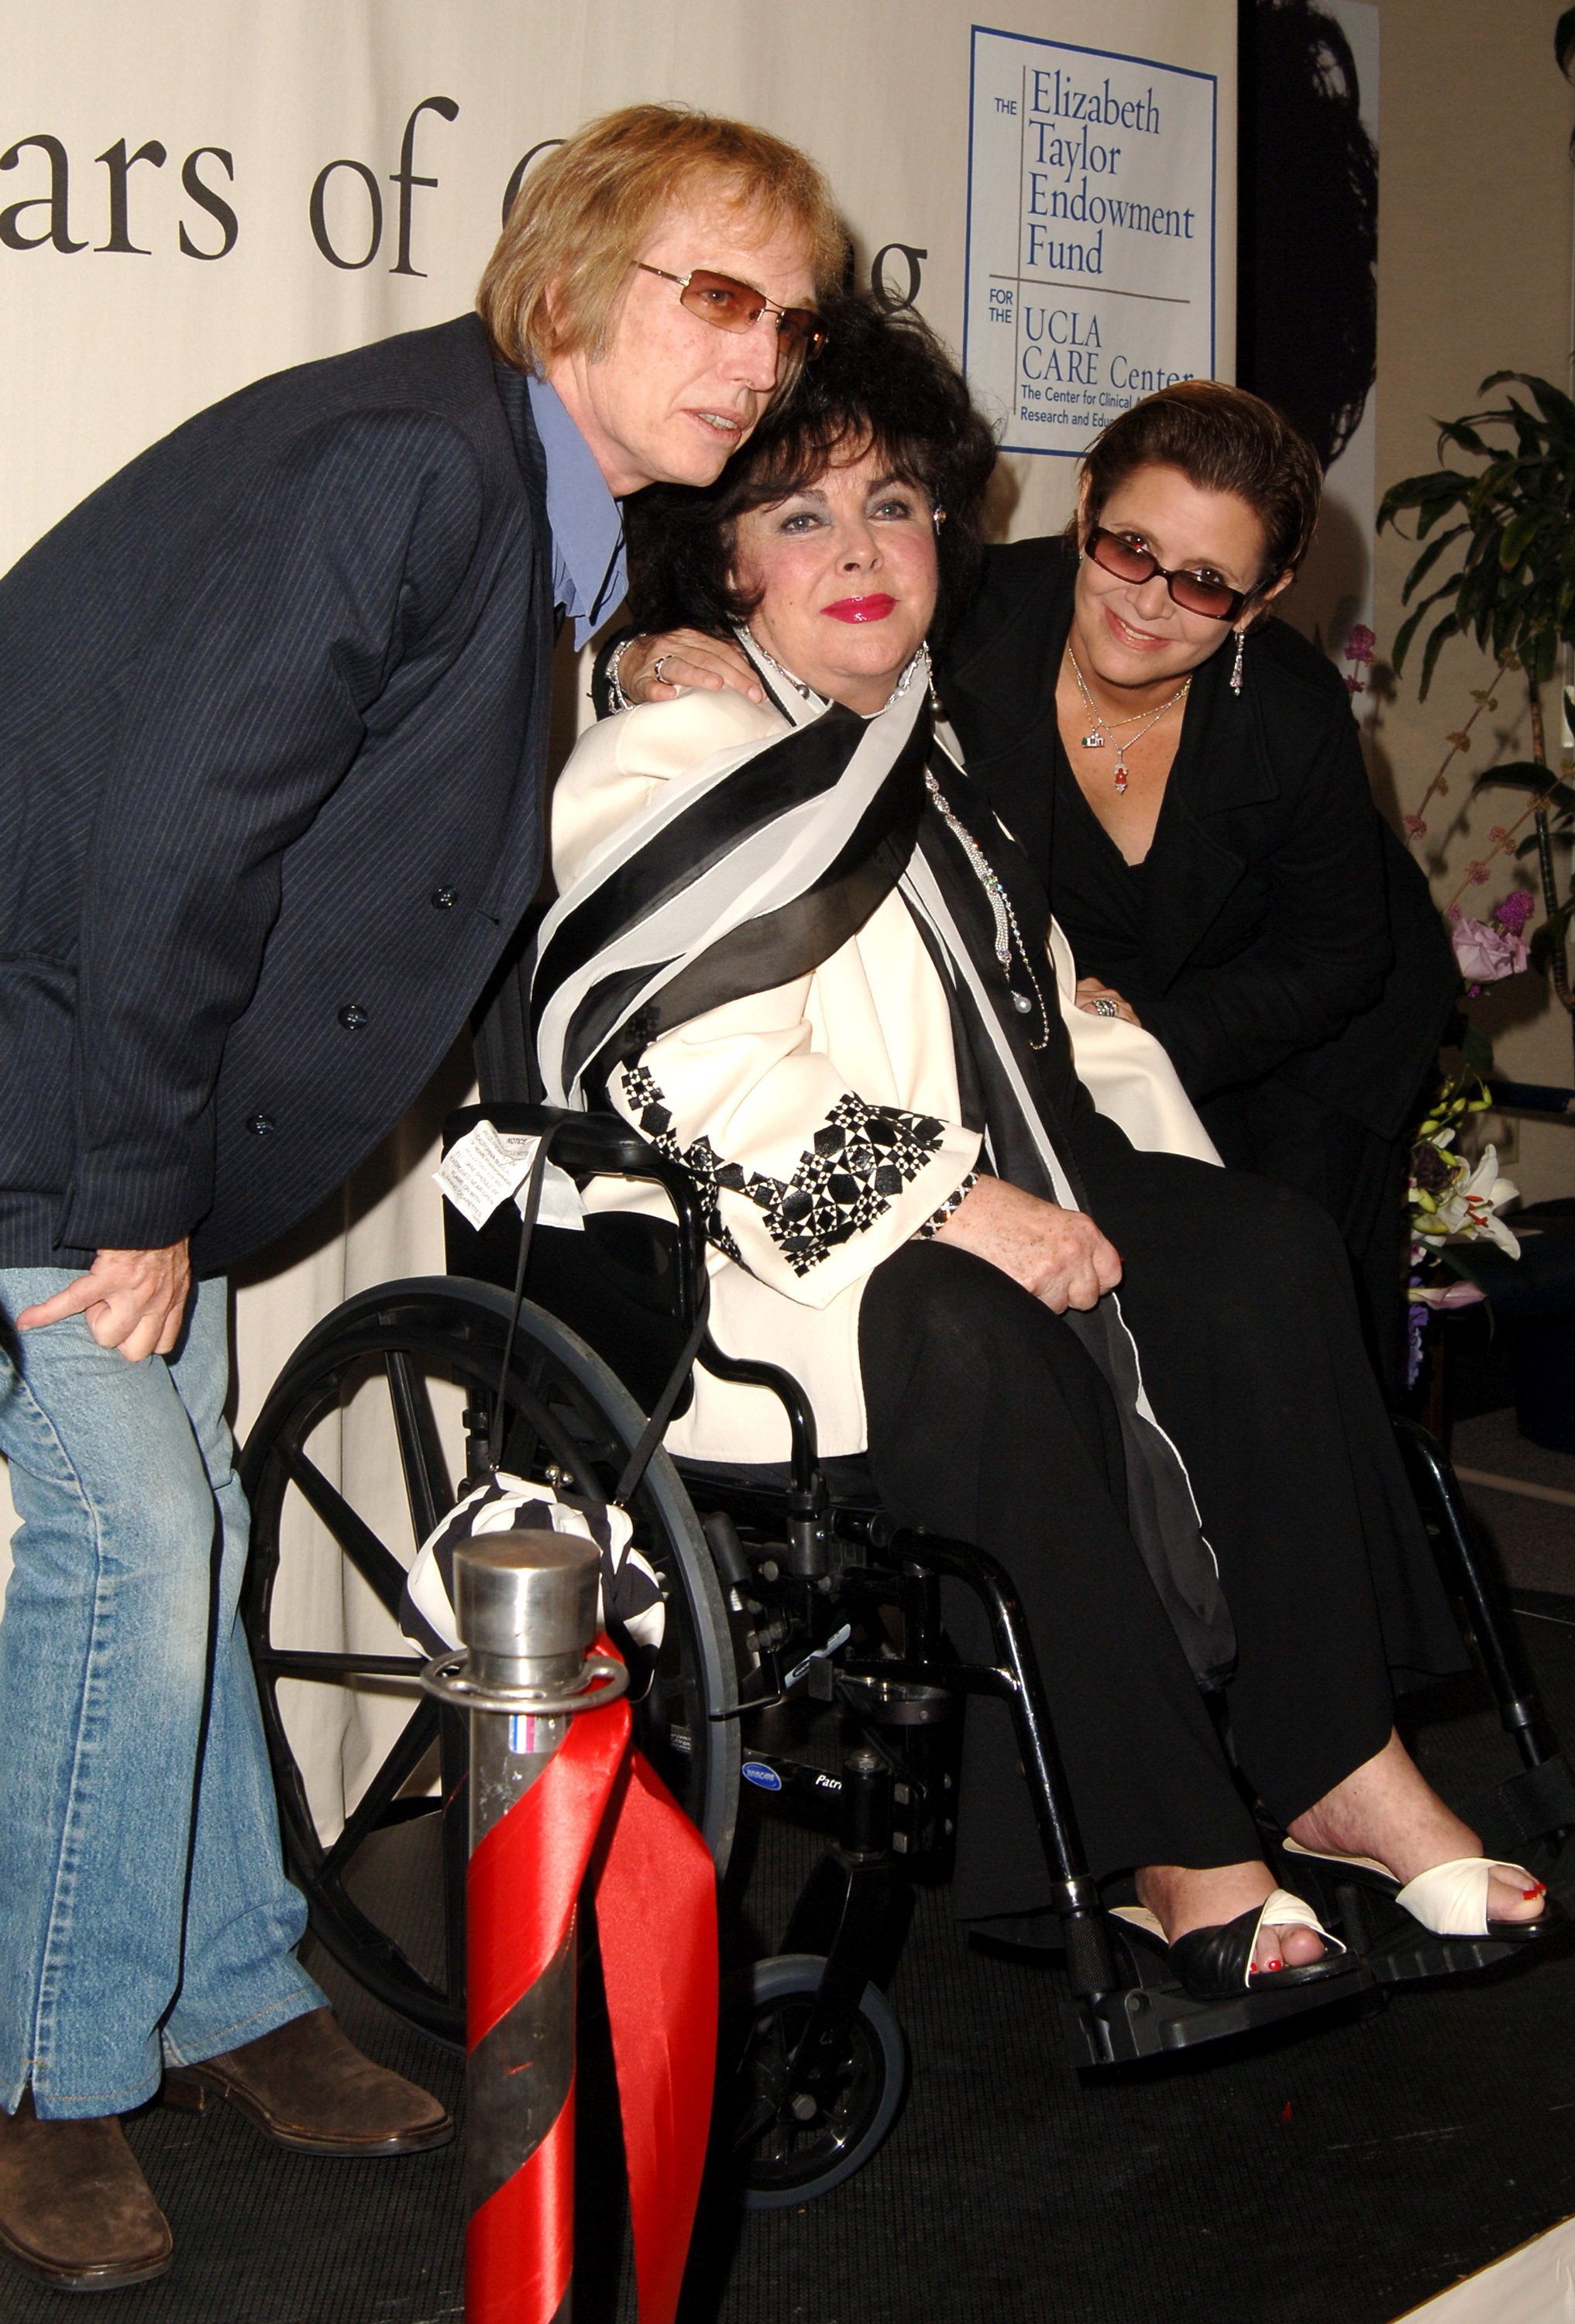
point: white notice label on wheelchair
(487, 1165)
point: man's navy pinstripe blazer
(272, 723)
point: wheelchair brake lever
(818, 1654)
(785, 1685)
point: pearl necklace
(1104, 728)
(1005, 918)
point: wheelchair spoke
(547, 1440)
(426, 1485)
(376, 1564)
(414, 1742)
(286, 1662)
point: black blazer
(272, 725)
(1288, 932)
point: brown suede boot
(307, 2085)
(75, 2209)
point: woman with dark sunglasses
(1183, 769)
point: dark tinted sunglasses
(1190, 592)
(734, 307)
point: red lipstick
(873, 608)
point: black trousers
(1358, 1177)
(988, 1421)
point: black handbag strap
(652, 1434)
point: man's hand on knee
(133, 1300)
(1060, 1256)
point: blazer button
(444, 900)
(353, 1017)
(262, 1125)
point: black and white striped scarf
(757, 871)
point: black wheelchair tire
(454, 1322)
(757, 2004)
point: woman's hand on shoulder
(1060, 1256)
(687, 657)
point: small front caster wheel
(799, 2125)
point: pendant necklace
(1105, 729)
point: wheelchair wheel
(404, 1380)
(796, 2136)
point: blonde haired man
(272, 724)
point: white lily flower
(1467, 1211)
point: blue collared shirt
(588, 570)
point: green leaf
(1517, 775)
(1443, 484)
(1517, 537)
(1428, 559)
(1552, 403)
(1439, 638)
(1461, 432)
(1477, 1048)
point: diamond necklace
(921, 658)
(1006, 919)
(1106, 728)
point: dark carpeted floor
(1338, 2177)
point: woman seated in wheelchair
(796, 950)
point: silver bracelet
(620, 699)
(952, 1204)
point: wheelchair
(804, 1665)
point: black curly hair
(882, 381)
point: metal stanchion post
(525, 1603)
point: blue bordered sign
(764, 1778)
(1091, 187)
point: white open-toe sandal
(1450, 1900)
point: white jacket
(835, 1095)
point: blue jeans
(141, 1909)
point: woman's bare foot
(1183, 1899)
(1387, 1810)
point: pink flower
(1360, 644)
(1448, 1295)
(1477, 873)
(1415, 827)
(1515, 909)
(1486, 953)
(1353, 685)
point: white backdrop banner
(194, 193)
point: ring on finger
(1103, 1008)
(656, 670)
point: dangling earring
(936, 704)
(938, 518)
(1240, 650)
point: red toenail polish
(1529, 1893)
(1274, 1965)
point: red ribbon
(599, 1808)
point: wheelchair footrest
(1533, 1805)
(1396, 1949)
(1154, 2021)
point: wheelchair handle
(588, 1145)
